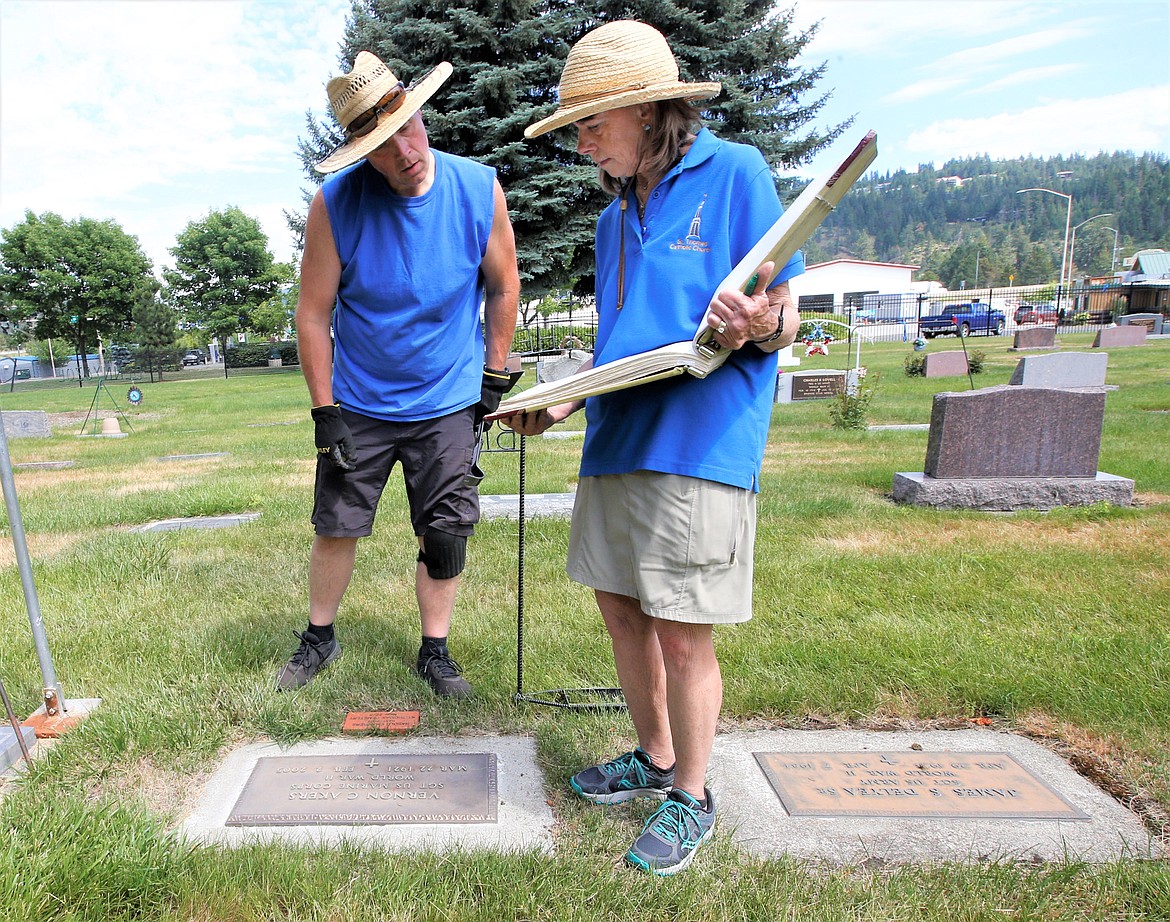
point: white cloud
(1028, 75)
(1137, 120)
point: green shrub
(975, 362)
(915, 364)
(851, 410)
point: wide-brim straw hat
(368, 95)
(619, 64)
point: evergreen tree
(223, 271)
(508, 56)
(155, 330)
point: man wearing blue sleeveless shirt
(401, 249)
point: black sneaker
(444, 675)
(309, 659)
(628, 776)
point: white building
(845, 285)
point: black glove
(333, 437)
(495, 383)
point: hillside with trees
(969, 213)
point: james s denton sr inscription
(357, 789)
(950, 785)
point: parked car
(195, 357)
(963, 320)
(1036, 313)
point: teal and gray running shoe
(624, 778)
(673, 834)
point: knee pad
(444, 554)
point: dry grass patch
(41, 547)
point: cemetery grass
(868, 615)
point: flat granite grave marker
(26, 424)
(1034, 338)
(1013, 447)
(1126, 335)
(1019, 801)
(1062, 369)
(352, 790)
(909, 784)
(945, 364)
(405, 800)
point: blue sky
(154, 112)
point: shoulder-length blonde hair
(672, 122)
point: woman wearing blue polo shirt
(664, 520)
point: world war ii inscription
(355, 789)
(975, 785)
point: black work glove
(495, 383)
(333, 437)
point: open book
(700, 355)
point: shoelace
(445, 666)
(306, 648)
(674, 820)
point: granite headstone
(946, 364)
(1019, 431)
(1125, 335)
(1062, 369)
(1154, 323)
(26, 424)
(1035, 338)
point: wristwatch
(777, 334)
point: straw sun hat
(371, 104)
(619, 64)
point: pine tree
(507, 57)
(155, 330)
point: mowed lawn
(867, 615)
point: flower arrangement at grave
(816, 341)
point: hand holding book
(702, 354)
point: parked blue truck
(963, 320)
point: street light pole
(1064, 254)
(1113, 263)
(1071, 255)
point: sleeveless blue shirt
(408, 342)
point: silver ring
(722, 328)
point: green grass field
(868, 615)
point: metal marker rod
(520, 586)
(16, 728)
(54, 695)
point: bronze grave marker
(355, 789)
(937, 785)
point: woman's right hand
(535, 422)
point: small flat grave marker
(939, 785)
(369, 790)
(26, 424)
(389, 721)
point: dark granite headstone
(1127, 335)
(26, 424)
(1154, 323)
(1008, 431)
(1062, 369)
(1035, 338)
(811, 385)
(946, 364)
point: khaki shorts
(681, 546)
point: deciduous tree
(223, 272)
(75, 280)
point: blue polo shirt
(702, 218)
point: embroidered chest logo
(694, 240)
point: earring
(646, 127)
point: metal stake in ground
(16, 728)
(54, 696)
(587, 699)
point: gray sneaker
(673, 834)
(309, 659)
(444, 675)
(628, 776)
